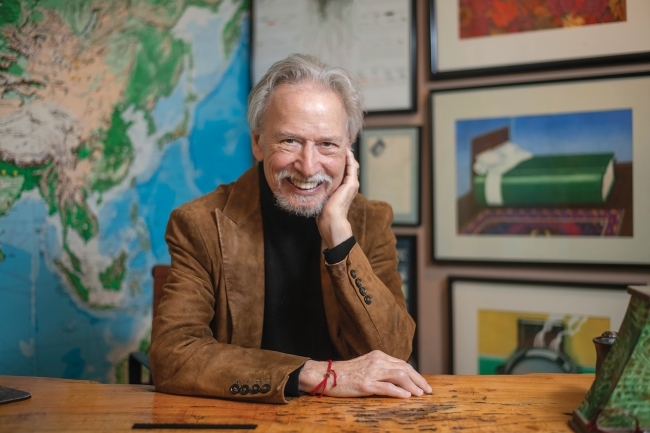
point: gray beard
(304, 211)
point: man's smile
(304, 185)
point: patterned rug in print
(547, 222)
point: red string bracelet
(323, 383)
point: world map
(112, 113)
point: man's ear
(257, 146)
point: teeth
(304, 185)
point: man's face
(303, 143)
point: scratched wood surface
(528, 403)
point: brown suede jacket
(208, 330)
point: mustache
(293, 175)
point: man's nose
(308, 161)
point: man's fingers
(403, 379)
(352, 166)
(389, 390)
(421, 382)
(414, 376)
(418, 380)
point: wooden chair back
(159, 273)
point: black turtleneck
(294, 315)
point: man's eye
(289, 140)
(328, 144)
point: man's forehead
(288, 111)
(284, 134)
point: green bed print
(546, 175)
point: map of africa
(112, 113)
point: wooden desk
(530, 403)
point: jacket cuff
(339, 252)
(292, 388)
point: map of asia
(112, 113)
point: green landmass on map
(116, 157)
(112, 277)
(14, 180)
(180, 131)
(74, 280)
(76, 263)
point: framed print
(543, 173)
(470, 37)
(407, 268)
(389, 160)
(372, 39)
(517, 327)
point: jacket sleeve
(185, 356)
(370, 310)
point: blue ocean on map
(71, 342)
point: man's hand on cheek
(333, 220)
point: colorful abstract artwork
(480, 18)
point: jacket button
(234, 389)
(265, 388)
(363, 291)
(255, 389)
(367, 299)
(245, 389)
(353, 273)
(358, 282)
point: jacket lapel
(242, 249)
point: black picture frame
(495, 324)
(400, 73)
(453, 209)
(407, 267)
(451, 57)
(389, 170)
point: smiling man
(285, 282)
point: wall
(432, 277)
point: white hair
(298, 68)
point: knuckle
(401, 375)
